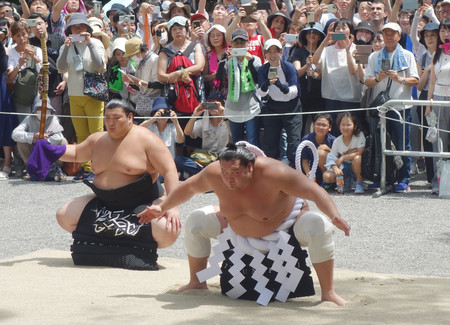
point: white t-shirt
(397, 91)
(168, 135)
(213, 138)
(339, 147)
(337, 82)
(442, 70)
(14, 56)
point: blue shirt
(307, 153)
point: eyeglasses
(323, 126)
(442, 11)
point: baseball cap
(239, 33)
(394, 26)
(272, 42)
(199, 16)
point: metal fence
(384, 109)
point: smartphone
(30, 22)
(230, 8)
(238, 52)
(245, 2)
(338, 36)
(249, 9)
(410, 4)
(385, 64)
(209, 105)
(291, 38)
(125, 19)
(196, 24)
(8, 13)
(263, 5)
(310, 17)
(272, 73)
(97, 8)
(364, 49)
(332, 8)
(78, 38)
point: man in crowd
(402, 76)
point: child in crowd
(344, 159)
(323, 140)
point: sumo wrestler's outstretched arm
(297, 184)
(83, 151)
(183, 192)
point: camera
(158, 33)
(291, 38)
(78, 38)
(209, 105)
(332, 8)
(125, 19)
(238, 52)
(385, 64)
(30, 22)
(97, 8)
(166, 113)
(272, 73)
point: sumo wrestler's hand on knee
(342, 225)
(150, 213)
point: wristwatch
(403, 81)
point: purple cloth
(42, 156)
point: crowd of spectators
(271, 57)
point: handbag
(382, 97)
(25, 88)
(203, 157)
(95, 84)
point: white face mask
(38, 114)
(164, 38)
(136, 59)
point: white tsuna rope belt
(274, 246)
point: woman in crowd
(429, 38)
(340, 83)
(438, 89)
(278, 24)
(308, 73)
(7, 122)
(215, 39)
(75, 57)
(21, 56)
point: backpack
(371, 159)
(26, 86)
(183, 97)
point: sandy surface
(44, 287)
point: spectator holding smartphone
(212, 128)
(278, 83)
(82, 52)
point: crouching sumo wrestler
(259, 209)
(126, 160)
